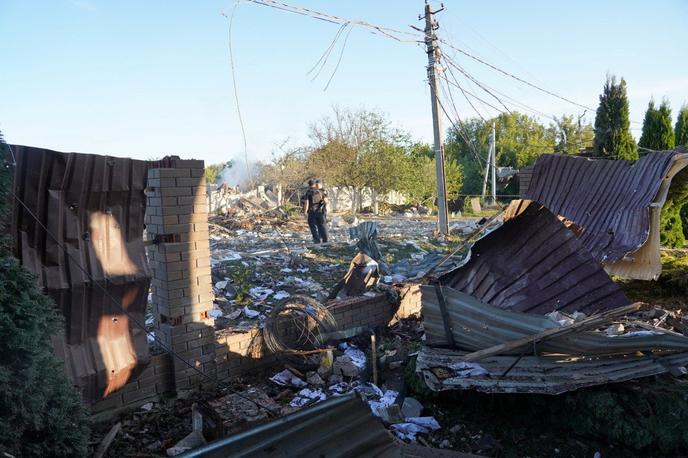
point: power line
(326, 54)
(236, 92)
(504, 72)
(339, 61)
(480, 85)
(466, 92)
(462, 131)
(374, 28)
(463, 93)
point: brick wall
(155, 380)
(239, 353)
(378, 310)
(177, 219)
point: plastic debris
(307, 396)
(386, 400)
(287, 378)
(465, 369)
(281, 294)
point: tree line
(361, 149)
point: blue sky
(150, 78)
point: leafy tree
(657, 132)
(520, 140)
(468, 148)
(288, 171)
(613, 137)
(212, 172)
(40, 412)
(420, 177)
(681, 128)
(572, 135)
(358, 149)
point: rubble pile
(255, 270)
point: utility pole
(488, 163)
(433, 51)
(494, 165)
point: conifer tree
(681, 129)
(657, 132)
(41, 414)
(613, 137)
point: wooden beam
(587, 323)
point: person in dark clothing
(315, 207)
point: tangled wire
(297, 327)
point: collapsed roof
(533, 263)
(615, 205)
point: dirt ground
(261, 262)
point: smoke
(240, 175)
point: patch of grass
(642, 418)
(671, 284)
(241, 277)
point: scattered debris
(107, 441)
(194, 439)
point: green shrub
(673, 223)
(41, 414)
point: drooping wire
(504, 72)
(339, 61)
(326, 54)
(236, 91)
(461, 130)
(374, 28)
(478, 83)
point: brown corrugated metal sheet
(533, 263)
(610, 200)
(95, 207)
(524, 177)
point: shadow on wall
(94, 206)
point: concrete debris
(194, 439)
(391, 414)
(244, 408)
(411, 408)
(313, 378)
(344, 365)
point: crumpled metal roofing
(95, 206)
(366, 233)
(477, 325)
(338, 427)
(615, 203)
(550, 374)
(533, 263)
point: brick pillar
(177, 219)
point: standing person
(314, 206)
